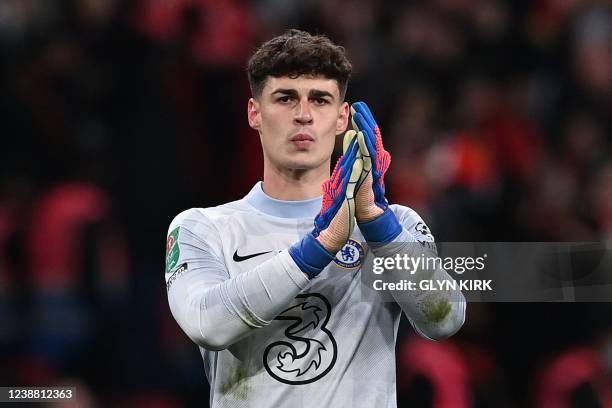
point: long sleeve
(433, 314)
(214, 309)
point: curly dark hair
(296, 53)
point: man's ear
(253, 114)
(343, 117)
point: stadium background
(116, 115)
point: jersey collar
(283, 209)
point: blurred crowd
(116, 115)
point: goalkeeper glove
(335, 222)
(376, 220)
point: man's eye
(284, 99)
(320, 101)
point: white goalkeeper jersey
(268, 335)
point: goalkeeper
(276, 306)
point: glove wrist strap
(383, 229)
(310, 256)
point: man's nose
(303, 115)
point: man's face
(298, 120)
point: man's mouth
(302, 141)
(300, 137)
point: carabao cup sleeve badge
(173, 252)
(351, 255)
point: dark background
(117, 115)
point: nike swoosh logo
(238, 258)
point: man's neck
(294, 185)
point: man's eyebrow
(290, 92)
(316, 93)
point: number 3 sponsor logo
(309, 350)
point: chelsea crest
(351, 255)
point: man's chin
(300, 166)
(303, 164)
